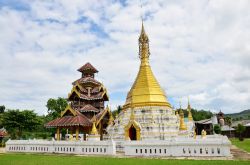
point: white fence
(177, 146)
(65, 147)
(211, 146)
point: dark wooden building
(85, 106)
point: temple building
(86, 111)
(147, 114)
(146, 126)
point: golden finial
(190, 117)
(182, 123)
(107, 108)
(176, 112)
(94, 130)
(143, 45)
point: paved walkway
(239, 153)
(2, 150)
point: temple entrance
(132, 133)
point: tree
(228, 121)
(240, 129)
(56, 106)
(217, 129)
(117, 111)
(16, 122)
(199, 115)
(2, 108)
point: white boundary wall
(65, 147)
(180, 146)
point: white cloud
(200, 49)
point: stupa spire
(145, 91)
(144, 46)
(182, 123)
(94, 130)
(190, 117)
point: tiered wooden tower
(85, 110)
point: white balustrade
(187, 147)
(65, 147)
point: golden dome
(145, 91)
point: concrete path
(239, 153)
(2, 150)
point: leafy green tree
(117, 111)
(2, 108)
(217, 129)
(16, 122)
(240, 129)
(200, 115)
(56, 106)
(228, 121)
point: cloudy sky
(199, 48)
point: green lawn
(34, 159)
(245, 145)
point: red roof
(85, 80)
(80, 120)
(89, 108)
(88, 68)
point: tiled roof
(88, 68)
(89, 108)
(80, 120)
(84, 80)
(205, 121)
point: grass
(245, 145)
(35, 159)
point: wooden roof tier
(88, 68)
(67, 121)
(89, 108)
(98, 96)
(87, 80)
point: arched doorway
(132, 133)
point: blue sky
(199, 48)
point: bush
(240, 129)
(217, 129)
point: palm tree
(240, 129)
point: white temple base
(213, 145)
(94, 138)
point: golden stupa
(145, 91)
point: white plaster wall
(65, 147)
(157, 123)
(180, 146)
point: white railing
(65, 147)
(187, 147)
